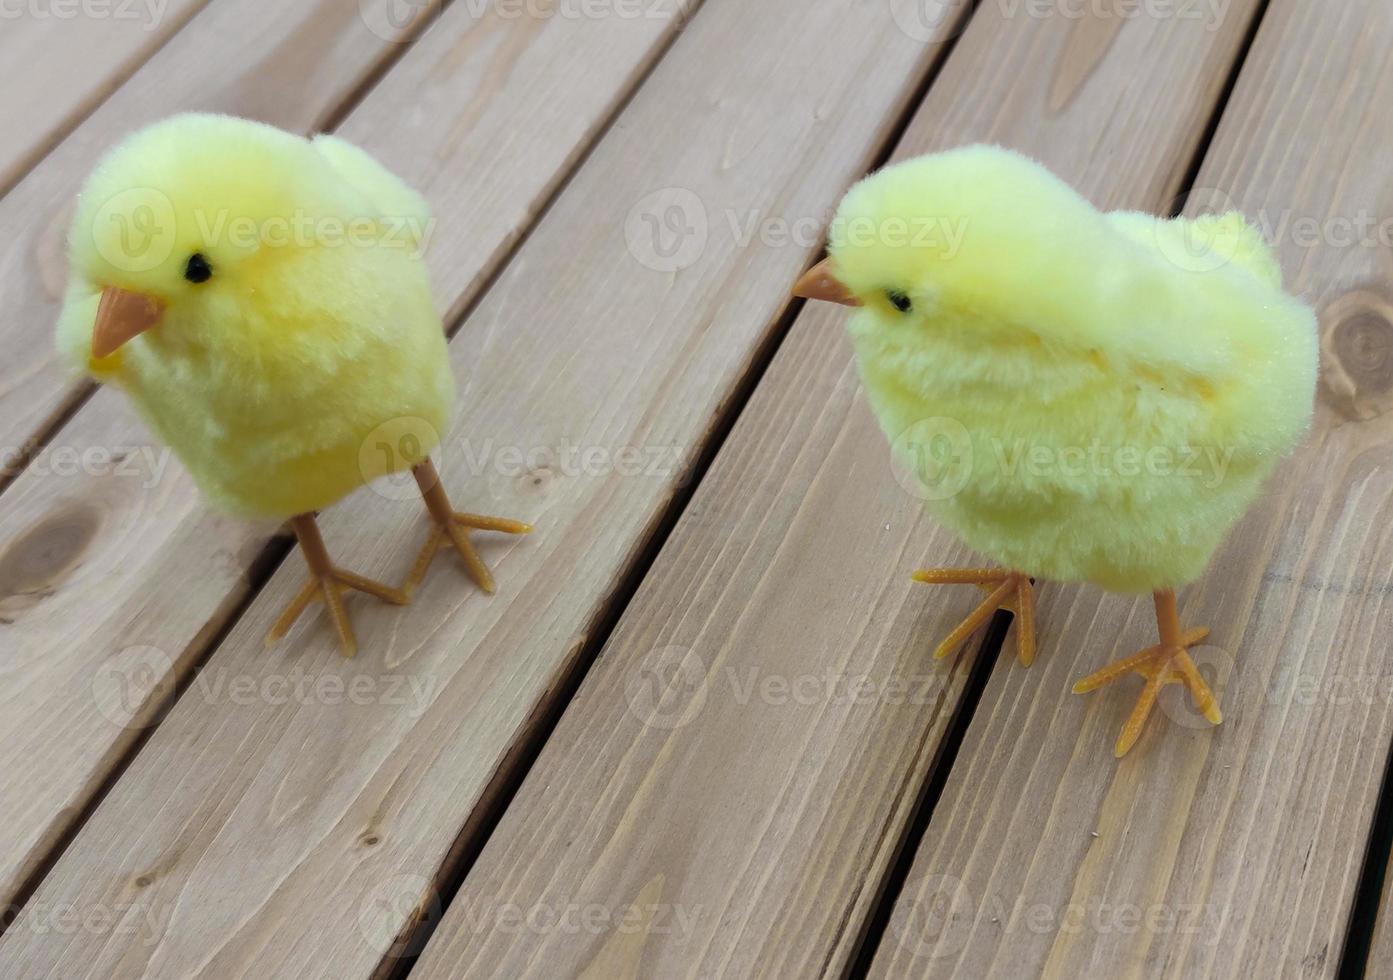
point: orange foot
(328, 583)
(1165, 663)
(1011, 591)
(452, 530)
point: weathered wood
(57, 63)
(114, 578)
(1233, 851)
(724, 795)
(282, 835)
(293, 65)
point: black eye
(198, 269)
(898, 300)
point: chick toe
(452, 529)
(1012, 591)
(1166, 663)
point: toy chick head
(958, 243)
(181, 218)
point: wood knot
(536, 480)
(1357, 354)
(34, 564)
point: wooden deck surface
(698, 732)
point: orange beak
(821, 282)
(121, 317)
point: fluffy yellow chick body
(263, 301)
(1086, 396)
(316, 328)
(1083, 396)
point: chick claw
(330, 587)
(1166, 663)
(328, 583)
(452, 529)
(999, 586)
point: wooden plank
(58, 62)
(1233, 851)
(724, 795)
(242, 57)
(297, 836)
(114, 578)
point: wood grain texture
(293, 65)
(297, 834)
(57, 62)
(1234, 851)
(100, 624)
(755, 733)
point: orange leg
(328, 584)
(1166, 663)
(452, 529)
(1011, 591)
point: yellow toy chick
(1085, 397)
(262, 300)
